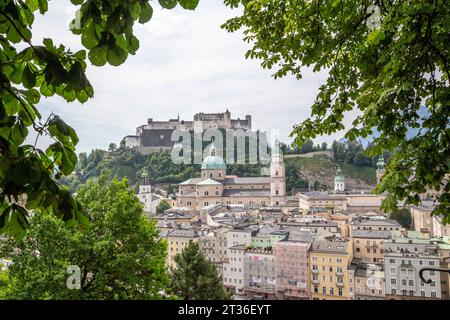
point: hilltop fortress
(156, 135)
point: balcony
(339, 284)
(339, 272)
(315, 271)
(315, 281)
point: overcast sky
(185, 64)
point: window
(393, 270)
(411, 283)
(393, 291)
(404, 282)
(422, 293)
(433, 294)
(340, 292)
(332, 291)
(324, 290)
(393, 281)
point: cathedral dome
(213, 162)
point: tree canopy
(388, 62)
(119, 254)
(31, 70)
(196, 278)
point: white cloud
(185, 64)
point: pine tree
(196, 278)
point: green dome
(339, 177)
(213, 162)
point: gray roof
(371, 234)
(246, 193)
(301, 236)
(373, 222)
(247, 180)
(208, 182)
(181, 233)
(191, 181)
(330, 246)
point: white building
(233, 270)
(145, 195)
(404, 257)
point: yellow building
(331, 279)
(368, 245)
(177, 240)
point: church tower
(339, 181)
(380, 169)
(145, 191)
(277, 178)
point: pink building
(292, 269)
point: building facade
(177, 240)
(292, 269)
(368, 245)
(404, 257)
(331, 278)
(259, 273)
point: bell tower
(145, 191)
(144, 186)
(339, 181)
(277, 178)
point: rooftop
(334, 246)
(371, 234)
(208, 182)
(246, 193)
(247, 180)
(181, 233)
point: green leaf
(116, 55)
(5, 211)
(188, 4)
(43, 6)
(28, 77)
(97, 56)
(89, 37)
(146, 12)
(168, 4)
